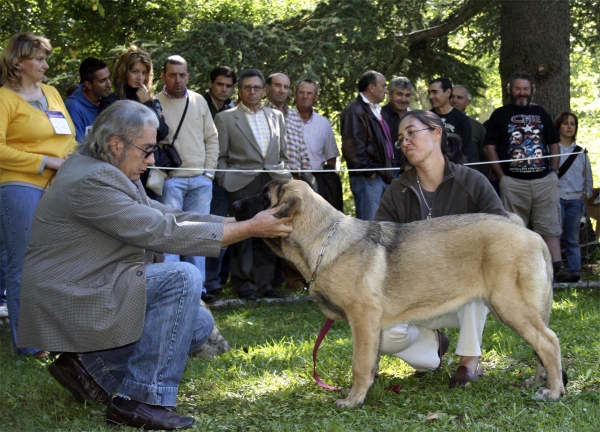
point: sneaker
(3, 311)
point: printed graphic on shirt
(527, 146)
(450, 128)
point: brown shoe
(68, 370)
(126, 412)
(443, 344)
(463, 376)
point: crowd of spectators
(107, 265)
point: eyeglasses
(250, 88)
(409, 137)
(147, 153)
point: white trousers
(417, 344)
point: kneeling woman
(435, 187)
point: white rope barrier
(356, 169)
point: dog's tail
(547, 309)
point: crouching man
(95, 286)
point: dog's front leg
(366, 328)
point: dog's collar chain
(424, 200)
(320, 258)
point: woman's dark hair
(562, 117)
(454, 151)
(432, 120)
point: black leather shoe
(248, 296)
(564, 276)
(126, 412)
(273, 293)
(70, 373)
(208, 298)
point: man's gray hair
(467, 92)
(124, 119)
(308, 81)
(400, 82)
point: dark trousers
(251, 261)
(330, 187)
(217, 269)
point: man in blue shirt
(83, 105)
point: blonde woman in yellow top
(36, 135)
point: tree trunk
(535, 38)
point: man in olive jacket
(94, 280)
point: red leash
(395, 388)
(320, 338)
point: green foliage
(331, 41)
(585, 28)
(83, 28)
(265, 383)
(333, 44)
(253, 11)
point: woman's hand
(53, 163)
(143, 94)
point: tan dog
(377, 274)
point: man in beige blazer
(95, 286)
(251, 137)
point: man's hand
(266, 225)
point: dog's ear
(291, 203)
(291, 206)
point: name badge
(59, 123)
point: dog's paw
(530, 382)
(347, 403)
(546, 393)
(213, 347)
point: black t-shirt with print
(458, 123)
(520, 133)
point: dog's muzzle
(247, 208)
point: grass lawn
(265, 383)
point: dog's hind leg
(528, 321)
(365, 324)
(540, 375)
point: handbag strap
(187, 102)
(565, 167)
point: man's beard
(518, 102)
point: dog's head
(275, 193)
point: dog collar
(320, 258)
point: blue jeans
(3, 264)
(17, 206)
(218, 206)
(571, 212)
(191, 194)
(150, 369)
(367, 195)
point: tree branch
(472, 8)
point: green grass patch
(265, 383)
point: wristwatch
(208, 175)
